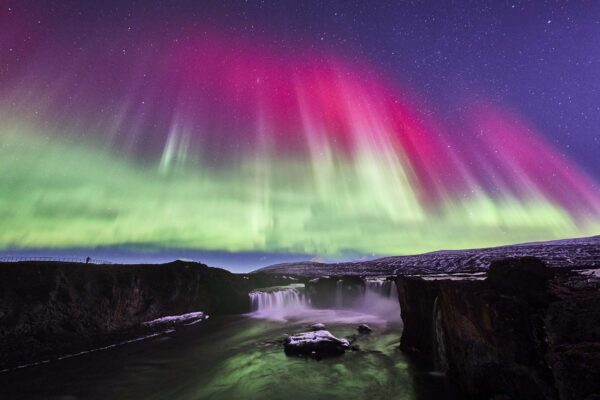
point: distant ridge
(573, 253)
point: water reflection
(233, 358)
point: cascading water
(380, 298)
(279, 303)
(347, 300)
(440, 362)
(380, 286)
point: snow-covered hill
(580, 252)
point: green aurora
(57, 193)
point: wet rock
(364, 329)
(335, 291)
(317, 327)
(524, 332)
(317, 344)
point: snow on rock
(317, 327)
(190, 318)
(476, 276)
(590, 272)
(315, 344)
(558, 253)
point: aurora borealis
(176, 130)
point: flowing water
(241, 357)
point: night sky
(324, 128)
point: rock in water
(315, 344)
(317, 327)
(364, 329)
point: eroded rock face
(52, 308)
(317, 344)
(572, 323)
(526, 331)
(339, 291)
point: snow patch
(315, 337)
(477, 276)
(590, 272)
(193, 317)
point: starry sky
(333, 129)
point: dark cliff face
(572, 323)
(326, 292)
(527, 331)
(417, 298)
(51, 308)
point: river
(240, 357)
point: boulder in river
(317, 327)
(315, 344)
(364, 329)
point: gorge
(520, 327)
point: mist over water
(242, 357)
(377, 304)
(280, 304)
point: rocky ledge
(523, 331)
(49, 309)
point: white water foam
(378, 305)
(279, 303)
(380, 299)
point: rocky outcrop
(526, 331)
(51, 308)
(326, 292)
(317, 344)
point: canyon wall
(52, 308)
(525, 331)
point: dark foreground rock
(316, 344)
(48, 309)
(526, 332)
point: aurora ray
(217, 143)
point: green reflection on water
(231, 358)
(261, 370)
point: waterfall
(280, 302)
(356, 299)
(381, 287)
(381, 298)
(440, 362)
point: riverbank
(521, 329)
(233, 357)
(51, 309)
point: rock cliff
(50, 308)
(525, 331)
